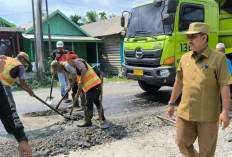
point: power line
(16, 13)
(75, 5)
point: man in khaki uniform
(201, 76)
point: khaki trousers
(188, 131)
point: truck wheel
(148, 88)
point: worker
(201, 76)
(14, 69)
(221, 48)
(90, 83)
(60, 55)
(10, 118)
(64, 67)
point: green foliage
(117, 78)
(90, 17)
(112, 15)
(102, 15)
(75, 19)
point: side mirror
(171, 7)
(122, 21)
(168, 19)
(158, 3)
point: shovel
(49, 99)
(57, 106)
(51, 107)
(75, 99)
(102, 124)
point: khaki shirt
(202, 79)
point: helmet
(59, 44)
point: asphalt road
(118, 98)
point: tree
(102, 15)
(91, 17)
(112, 15)
(75, 19)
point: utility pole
(39, 40)
(49, 34)
(36, 54)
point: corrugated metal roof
(63, 37)
(105, 27)
(11, 29)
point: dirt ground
(158, 142)
(155, 141)
(134, 131)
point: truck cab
(153, 44)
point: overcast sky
(19, 12)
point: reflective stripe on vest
(90, 80)
(11, 63)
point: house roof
(65, 38)
(10, 29)
(105, 27)
(6, 23)
(59, 25)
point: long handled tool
(101, 96)
(51, 107)
(49, 99)
(57, 106)
(102, 124)
(75, 99)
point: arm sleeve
(80, 65)
(70, 69)
(22, 72)
(10, 118)
(53, 55)
(223, 74)
(179, 72)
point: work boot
(103, 116)
(88, 117)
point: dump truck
(153, 44)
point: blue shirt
(229, 65)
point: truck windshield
(146, 21)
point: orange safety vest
(90, 80)
(67, 73)
(11, 63)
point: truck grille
(143, 58)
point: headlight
(164, 73)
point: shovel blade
(49, 100)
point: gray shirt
(70, 69)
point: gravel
(65, 136)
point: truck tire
(147, 87)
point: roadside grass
(117, 79)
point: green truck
(153, 44)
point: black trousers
(93, 97)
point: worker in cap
(60, 55)
(202, 76)
(90, 83)
(221, 48)
(64, 67)
(10, 118)
(13, 70)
